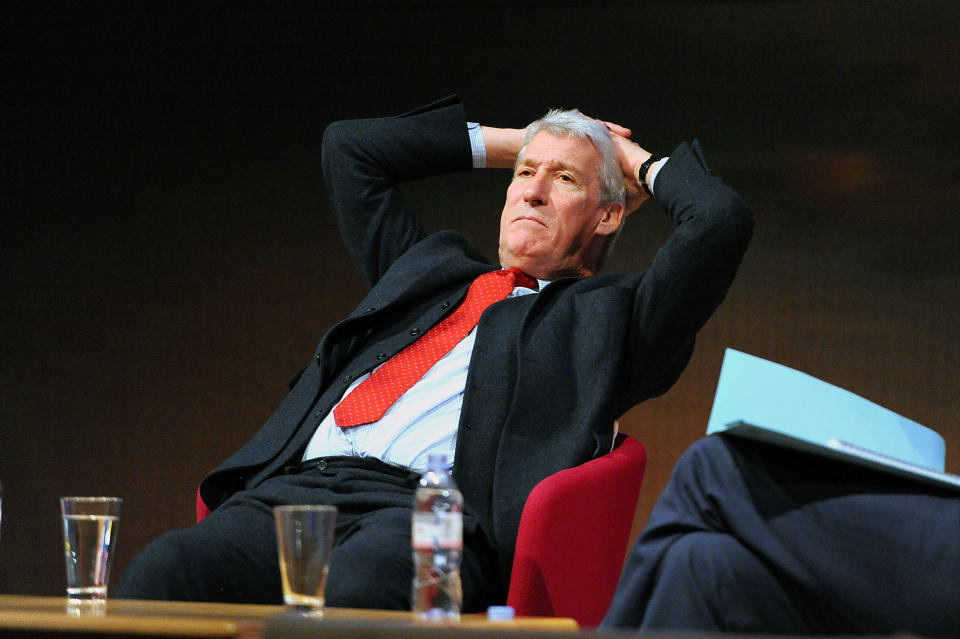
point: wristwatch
(642, 173)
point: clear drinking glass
(304, 544)
(89, 539)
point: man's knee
(372, 567)
(158, 571)
(702, 456)
(220, 559)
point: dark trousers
(231, 555)
(750, 537)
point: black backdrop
(169, 261)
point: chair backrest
(573, 536)
(202, 509)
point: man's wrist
(502, 146)
(643, 174)
(654, 171)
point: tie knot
(522, 279)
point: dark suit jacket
(580, 353)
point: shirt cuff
(477, 145)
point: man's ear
(611, 218)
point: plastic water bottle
(437, 535)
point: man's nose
(535, 191)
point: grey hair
(572, 123)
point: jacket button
(347, 379)
(414, 331)
(381, 356)
(369, 309)
(445, 305)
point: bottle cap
(500, 613)
(436, 462)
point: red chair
(202, 510)
(573, 536)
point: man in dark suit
(534, 388)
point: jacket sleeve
(365, 160)
(690, 274)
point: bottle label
(437, 530)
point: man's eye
(563, 177)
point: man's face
(552, 225)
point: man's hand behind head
(631, 155)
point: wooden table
(36, 617)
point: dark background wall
(168, 261)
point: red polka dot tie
(370, 400)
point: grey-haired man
(534, 388)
